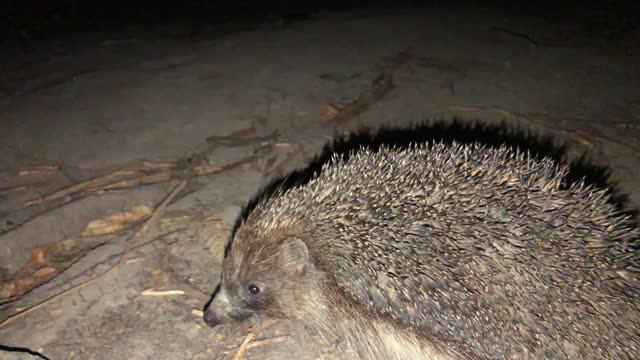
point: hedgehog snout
(211, 319)
(218, 311)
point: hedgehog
(441, 251)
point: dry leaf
(117, 222)
(331, 113)
(44, 272)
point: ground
(249, 106)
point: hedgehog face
(259, 280)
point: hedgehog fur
(441, 251)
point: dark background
(35, 20)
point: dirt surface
(257, 100)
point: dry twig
(151, 173)
(16, 189)
(260, 342)
(96, 182)
(245, 343)
(50, 260)
(136, 236)
(116, 256)
(151, 292)
(42, 169)
(380, 87)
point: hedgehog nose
(211, 319)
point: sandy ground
(95, 103)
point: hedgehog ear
(295, 252)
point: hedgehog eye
(254, 289)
